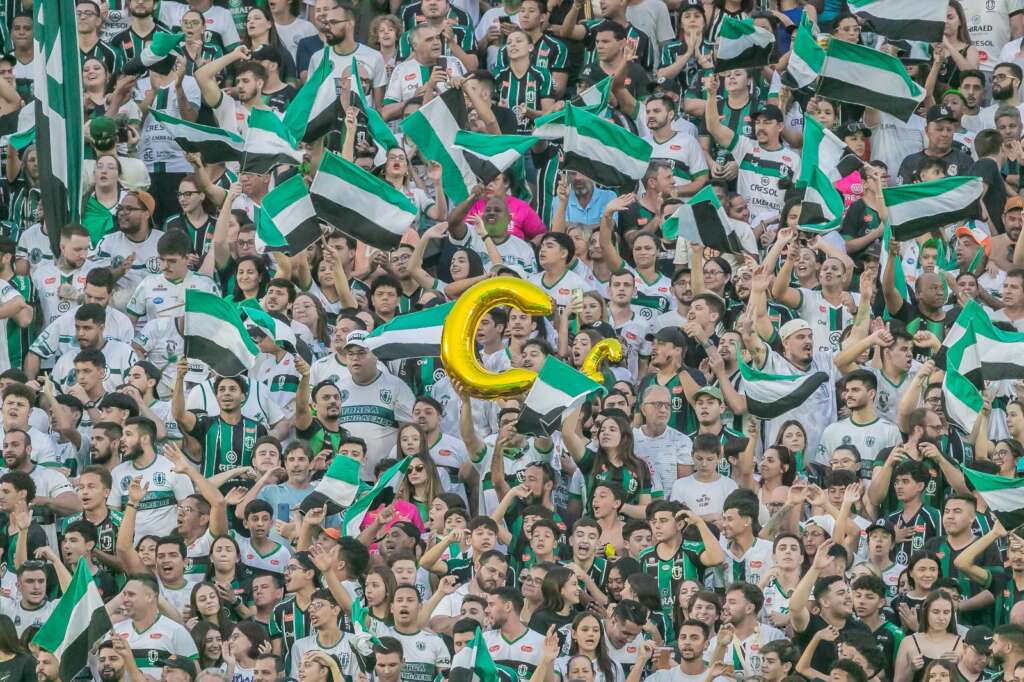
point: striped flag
(604, 152)
(773, 395)
(272, 325)
(433, 128)
(160, 47)
(922, 20)
(806, 58)
(489, 155)
(860, 75)
(338, 488)
(900, 277)
(19, 126)
(925, 206)
(360, 204)
(822, 208)
(474, 663)
(268, 143)
(79, 621)
(379, 130)
(352, 520)
(317, 105)
(60, 135)
(214, 333)
(215, 144)
(593, 100)
(702, 220)
(286, 220)
(557, 390)
(362, 640)
(411, 335)
(742, 45)
(1003, 496)
(962, 384)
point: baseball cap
(267, 52)
(357, 338)
(880, 525)
(146, 199)
(854, 127)
(709, 391)
(792, 327)
(103, 131)
(672, 335)
(955, 91)
(691, 4)
(979, 236)
(181, 663)
(872, 252)
(591, 73)
(980, 637)
(1013, 204)
(822, 521)
(939, 113)
(769, 111)
(332, 533)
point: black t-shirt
(542, 619)
(36, 540)
(21, 668)
(995, 192)
(958, 162)
(826, 652)
(280, 99)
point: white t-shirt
(114, 248)
(747, 568)
(258, 404)
(291, 34)
(664, 453)
(7, 293)
(893, 140)
(988, 24)
(683, 151)
(48, 278)
(704, 498)
(120, 358)
(163, 637)
(870, 438)
(364, 54)
(827, 321)
(373, 412)
(157, 296)
(24, 618)
(158, 511)
(59, 337)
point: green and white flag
(489, 155)
(19, 126)
(773, 395)
(412, 335)
(379, 130)
(920, 20)
(594, 100)
(77, 623)
(433, 128)
(557, 390)
(922, 207)
(59, 117)
(474, 663)
(268, 143)
(286, 220)
(608, 154)
(963, 382)
(702, 220)
(215, 144)
(806, 58)
(822, 208)
(899, 276)
(362, 640)
(742, 45)
(860, 75)
(359, 204)
(273, 326)
(1003, 496)
(316, 107)
(339, 486)
(214, 333)
(97, 219)
(352, 520)
(160, 47)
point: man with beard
(140, 384)
(283, 497)
(47, 665)
(740, 610)
(90, 326)
(692, 640)
(140, 29)
(94, 485)
(510, 643)
(151, 636)
(59, 283)
(490, 573)
(339, 31)
(1006, 85)
(1007, 651)
(164, 486)
(893, 378)
(494, 223)
(680, 149)
(54, 494)
(939, 130)
(1004, 245)
(863, 428)
(110, 666)
(426, 654)
(105, 445)
(130, 253)
(228, 439)
(231, 113)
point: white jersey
(158, 511)
(34, 246)
(747, 568)
(870, 438)
(704, 498)
(157, 147)
(760, 172)
(424, 655)
(660, 288)
(888, 394)
(827, 321)
(162, 344)
(273, 561)
(280, 378)
(664, 453)
(120, 358)
(258, 404)
(156, 643)
(327, 368)
(342, 653)
(115, 248)
(522, 655)
(25, 618)
(988, 23)
(178, 597)
(48, 279)
(561, 290)
(49, 483)
(485, 412)
(409, 76)
(7, 293)
(776, 600)
(684, 153)
(364, 54)
(633, 334)
(291, 34)
(514, 252)
(746, 655)
(162, 409)
(59, 337)
(373, 412)
(156, 296)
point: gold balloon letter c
(605, 349)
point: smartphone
(577, 296)
(442, 62)
(505, 20)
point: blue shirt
(305, 49)
(591, 215)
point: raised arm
(720, 133)
(185, 419)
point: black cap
(181, 663)
(854, 127)
(873, 251)
(672, 335)
(769, 111)
(592, 73)
(940, 113)
(662, 86)
(604, 329)
(880, 525)
(980, 637)
(268, 53)
(691, 4)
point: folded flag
(773, 395)
(379, 130)
(1003, 496)
(97, 219)
(77, 623)
(899, 276)
(962, 383)
(606, 153)
(489, 155)
(822, 207)
(19, 126)
(923, 20)
(268, 143)
(557, 390)
(216, 145)
(593, 100)
(271, 325)
(433, 128)
(474, 663)
(362, 640)
(214, 333)
(806, 58)
(360, 204)
(702, 220)
(286, 220)
(339, 486)
(352, 520)
(860, 75)
(317, 105)
(925, 206)
(742, 45)
(156, 55)
(412, 335)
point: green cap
(711, 392)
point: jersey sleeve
(137, 303)
(393, 93)
(181, 485)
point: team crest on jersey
(154, 656)
(386, 396)
(159, 478)
(248, 441)
(870, 441)
(63, 306)
(153, 265)
(523, 671)
(439, 375)
(126, 481)
(421, 645)
(35, 256)
(344, 394)
(189, 563)
(231, 457)
(677, 573)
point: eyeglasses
(657, 404)
(192, 22)
(418, 468)
(85, 13)
(246, 242)
(188, 193)
(529, 580)
(185, 508)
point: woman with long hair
(465, 268)
(560, 598)
(778, 583)
(16, 664)
(95, 87)
(922, 573)
(195, 219)
(940, 670)
(737, 9)
(207, 606)
(777, 471)
(308, 310)
(397, 172)
(793, 437)
(227, 574)
(251, 278)
(260, 30)
(248, 640)
(688, 589)
(642, 588)
(196, 48)
(614, 462)
(706, 607)
(588, 641)
(378, 590)
(104, 198)
(383, 35)
(936, 638)
(421, 484)
(209, 643)
(956, 52)
(1014, 411)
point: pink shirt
(404, 511)
(524, 221)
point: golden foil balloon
(458, 352)
(605, 349)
